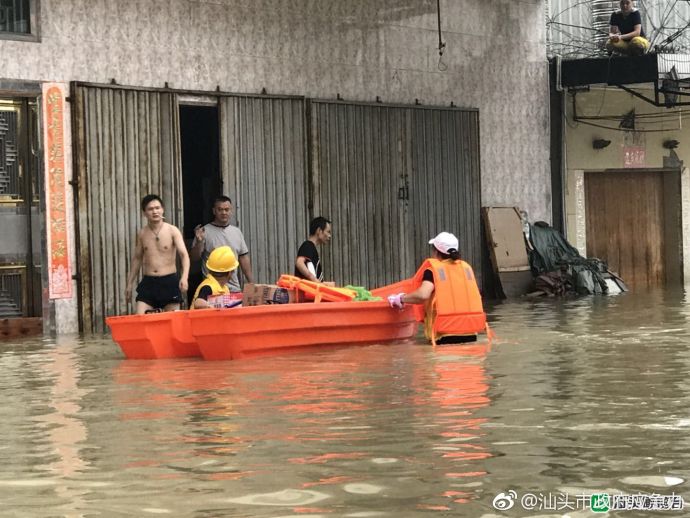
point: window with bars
(19, 19)
(12, 291)
(9, 163)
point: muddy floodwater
(573, 398)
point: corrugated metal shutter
(360, 158)
(264, 169)
(390, 178)
(445, 188)
(127, 145)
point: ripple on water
(384, 460)
(284, 497)
(38, 482)
(654, 481)
(362, 489)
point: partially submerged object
(507, 250)
(538, 260)
(228, 334)
(561, 269)
(155, 335)
(268, 329)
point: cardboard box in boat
(260, 294)
(229, 300)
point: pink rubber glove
(396, 301)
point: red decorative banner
(59, 264)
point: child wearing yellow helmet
(220, 265)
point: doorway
(201, 181)
(633, 221)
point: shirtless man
(157, 243)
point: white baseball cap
(445, 242)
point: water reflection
(276, 420)
(65, 430)
(574, 396)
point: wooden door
(627, 215)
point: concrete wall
(494, 61)
(608, 104)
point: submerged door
(361, 159)
(633, 223)
(264, 172)
(20, 227)
(391, 178)
(127, 146)
(445, 185)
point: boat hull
(228, 334)
(266, 330)
(154, 336)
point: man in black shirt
(308, 264)
(626, 35)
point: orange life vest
(216, 288)
(455, 308)
(316, 291)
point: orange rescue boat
(269, 329)
(241, 332)
(227, 334)
(156, 335)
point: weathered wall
(494, 61)
(608, 104)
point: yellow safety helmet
(222, 260)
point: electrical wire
(441, 44)
(663, 23)
(616, 128)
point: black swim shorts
(461, 339)
(158, 292)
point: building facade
(619, 148)
(294, 109)
(628, 202)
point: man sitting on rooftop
(626, 35)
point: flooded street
(573, 397)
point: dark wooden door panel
(625, 224)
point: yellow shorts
(637, 45)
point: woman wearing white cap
(446, 286)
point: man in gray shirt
(218, 233)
